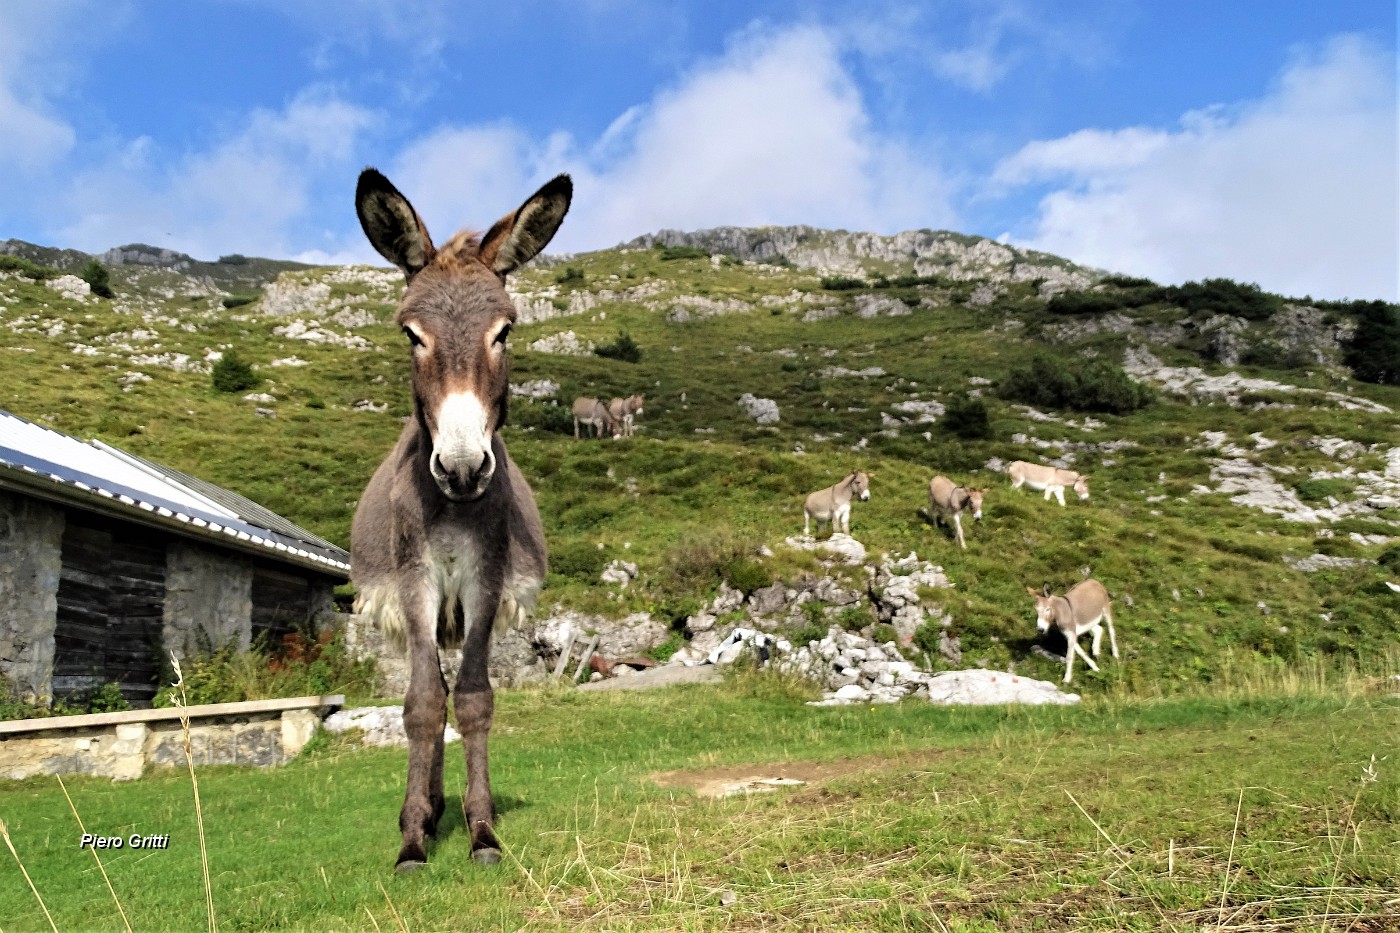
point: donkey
(833, 504)
(946, 500)
(1078, 611)
(592, 412)
(447, 541)
(624, 410)
(1052, 479)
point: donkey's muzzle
(460, 480)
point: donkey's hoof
(487, 856)
(409, 866)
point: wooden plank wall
(281, 603)
(111, 597)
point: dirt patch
(741, 779)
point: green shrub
(1097, 386)
(97, 277)
(1318, 490)
(232, 374)
(571, 275)
(24, 267)
(577, 560)
(623, 348)
(967, 417)
(1224, 296)
(234, 259)
(1390, 559)
(1374, 351)
(670, 253)
(300, 665)
(238, 301)
(745, 574)
(842, 283)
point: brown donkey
(447, 542)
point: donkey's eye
(413, 337)
(502, 334)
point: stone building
(109, 562)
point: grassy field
(1268, 804)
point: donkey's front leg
(424, 716)
(475, 703)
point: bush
(967, 417)
(1097, 386)
(1224, 296)
(842, 283)
(300, 665)
(24, 267)
(745, 574)
(578, 561)
(670, 253)
(231, 374)
(97, 277)
(234, 259)
(1374, 351)
(238, 301)
(1318, 490)
(572, 275)
(623, 348)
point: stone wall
(31, 536)
(123, 751)
(514, 660)
(208, 600)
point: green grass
(1249, 805)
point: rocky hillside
(1245, 488)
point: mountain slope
(1244, 509)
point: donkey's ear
(1032, 592)
(391, 224)
(1047, 589)
(517, 238)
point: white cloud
(1297, 191)
(774, 132)
(245, 194)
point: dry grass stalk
(5, 832)
(392, 909)
(93, 849)
(1234, 834)
(1368, 776)
(181, 705)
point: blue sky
(1251, 139)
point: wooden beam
(205, 711)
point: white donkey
(1051, 479)
(948, 501)
(1081, 610)
(833, 504)
(624, 411)
(590, 412)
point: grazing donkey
(447, 541)
(946, 500)
(624, 410)
(833, 504)
(1078, 611)
(1052, 479)
(590, 411)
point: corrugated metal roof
(126, 480)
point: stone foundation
(31, 538)
(120, 746)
